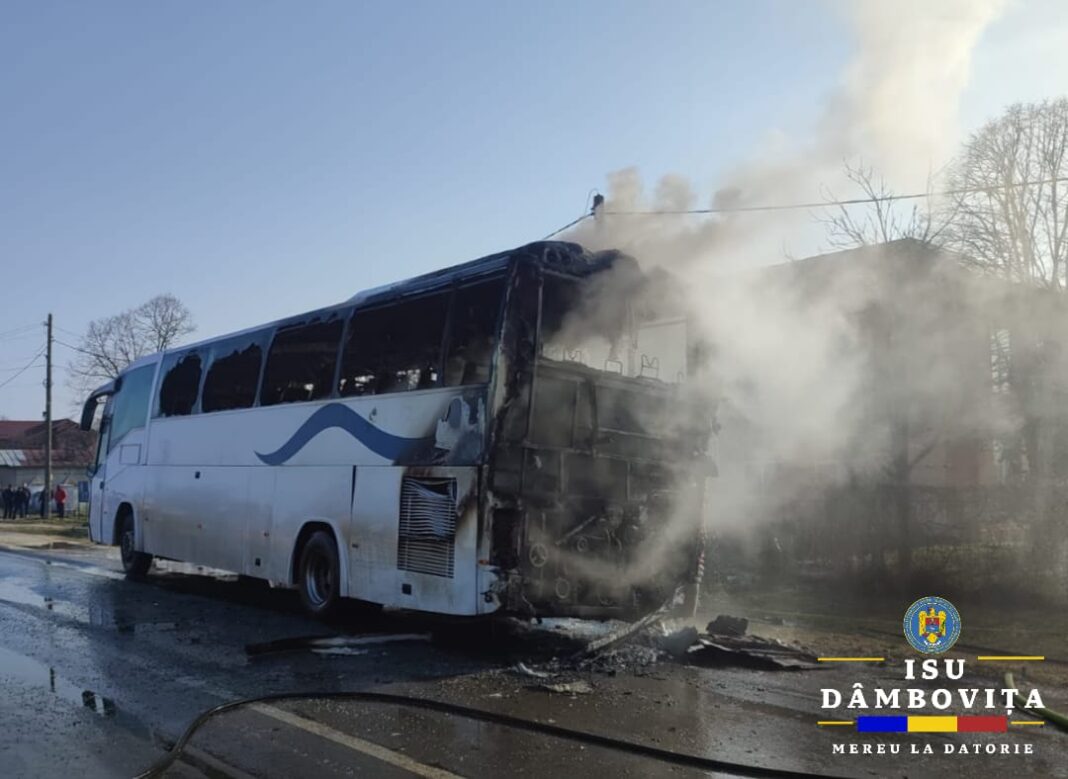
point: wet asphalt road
(100, 675)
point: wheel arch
(309, 527)
(125, 509)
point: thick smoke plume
(791, 365)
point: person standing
(61, 499)
(22, 500)
(8, 496)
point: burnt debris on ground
(635, 648)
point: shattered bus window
(233, 374)
(301, 363)
(394, 348)
(181, 382)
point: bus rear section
(599, 454)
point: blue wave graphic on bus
(392, 447)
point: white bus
(490, 437)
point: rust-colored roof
(14, 428)
(24, 441)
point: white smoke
(788, 365)
(896, 108)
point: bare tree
(882, 217)
(1011, 195)
(1010, 186)
(113, 342)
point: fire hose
(505, 720)
(1058, 719)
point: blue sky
(257, 159)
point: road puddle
(14, 592)
(99, 616)
(29, 672)
(20, 670)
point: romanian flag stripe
(963, 724)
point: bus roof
(559, 256)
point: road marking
(353, 742)
(1012, 657)
(850, 659)
(835, 722)
(193, 756)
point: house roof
(12, 458)
(22, 444)
(35, 458)
(15, 428)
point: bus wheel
(320, 575)
(136, 564)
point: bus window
(233, 374)
(181, 382)
(473, 333)
(301, 362)
(394, 348)
(130, 406)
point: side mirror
(89, 409)
(88, 412)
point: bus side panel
(427, 575)
(218, 509)
(168, 512)
(259, 523)
(308, 493)
(373, 533)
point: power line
(810, 205)
(20, 336)
(14, 365)
(9, 370)
(572, 223)
(851, 202)
(24, 368)
(68, 332)
(79, 349)
(17, 330)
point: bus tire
(134, 563)
(319, 575)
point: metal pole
(46, 496)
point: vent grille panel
(427, 528)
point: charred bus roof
(557, 256)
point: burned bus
(508, 435)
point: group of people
(16, 501)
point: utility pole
(46, 496)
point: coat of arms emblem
(932, 625)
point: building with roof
(936, 416)
(22, 452)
